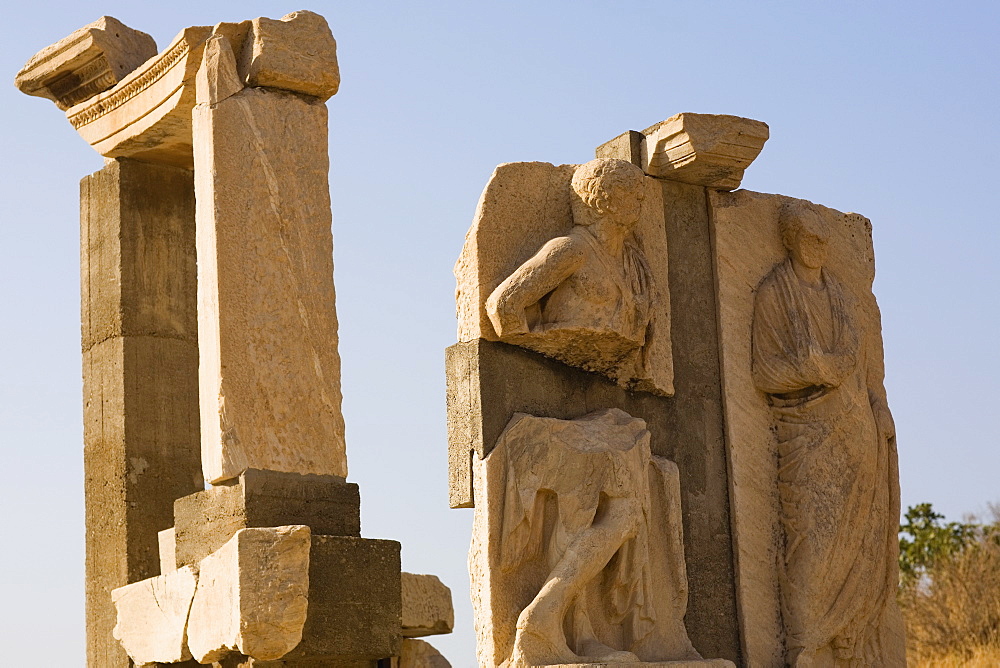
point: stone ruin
(666, 407)
(210, 356)
(666, 404)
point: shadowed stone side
(355, 608)
(140, 377)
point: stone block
(709, 150)
(748, 243)
(147, 115)
(427, 607)
(354, 601)
(87, 62)
(204, 521)
(167, 542)
(419, 654)
(296, 53)
(252, 595)
(626, 146)
(152, 617)
(269, 367)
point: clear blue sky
(889, 109)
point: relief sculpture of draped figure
(837, 474)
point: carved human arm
(829, 369)
(556, 261)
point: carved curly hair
(600, 182)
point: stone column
(140, 361)
(270, 370)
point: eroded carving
(837, 475)
(577, 551)
(85, 63)
(589, 297)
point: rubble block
(152, 617)
(354, 602)
(427, 608)
(252, 595)
(296, 53)
(204, 521)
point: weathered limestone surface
(419, 654)
(252, 595)
(512, 380)
(87, 62)
(626, 146)
(140, 361)
(427, 607)
(166, 541)
(270, 370)
(296, 53)
(489, 382)
(577, 549)
(354, 601)
(571, 261)
(851, 452)
(152, 616)
(127, 101)
(702, 149)
(208, 519)
(147, 115)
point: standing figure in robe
(837, 472)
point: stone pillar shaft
(270, 370)
(140, 377)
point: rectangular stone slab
(204, 521)
(748, 245)
(269, 366)
(354, 601)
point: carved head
(607, 188)
(804, 233)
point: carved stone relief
(836, 455)
(577, 551)
(815, 487)
(570, 261)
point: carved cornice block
(89, 61)
(127, 101)
(709, 150)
